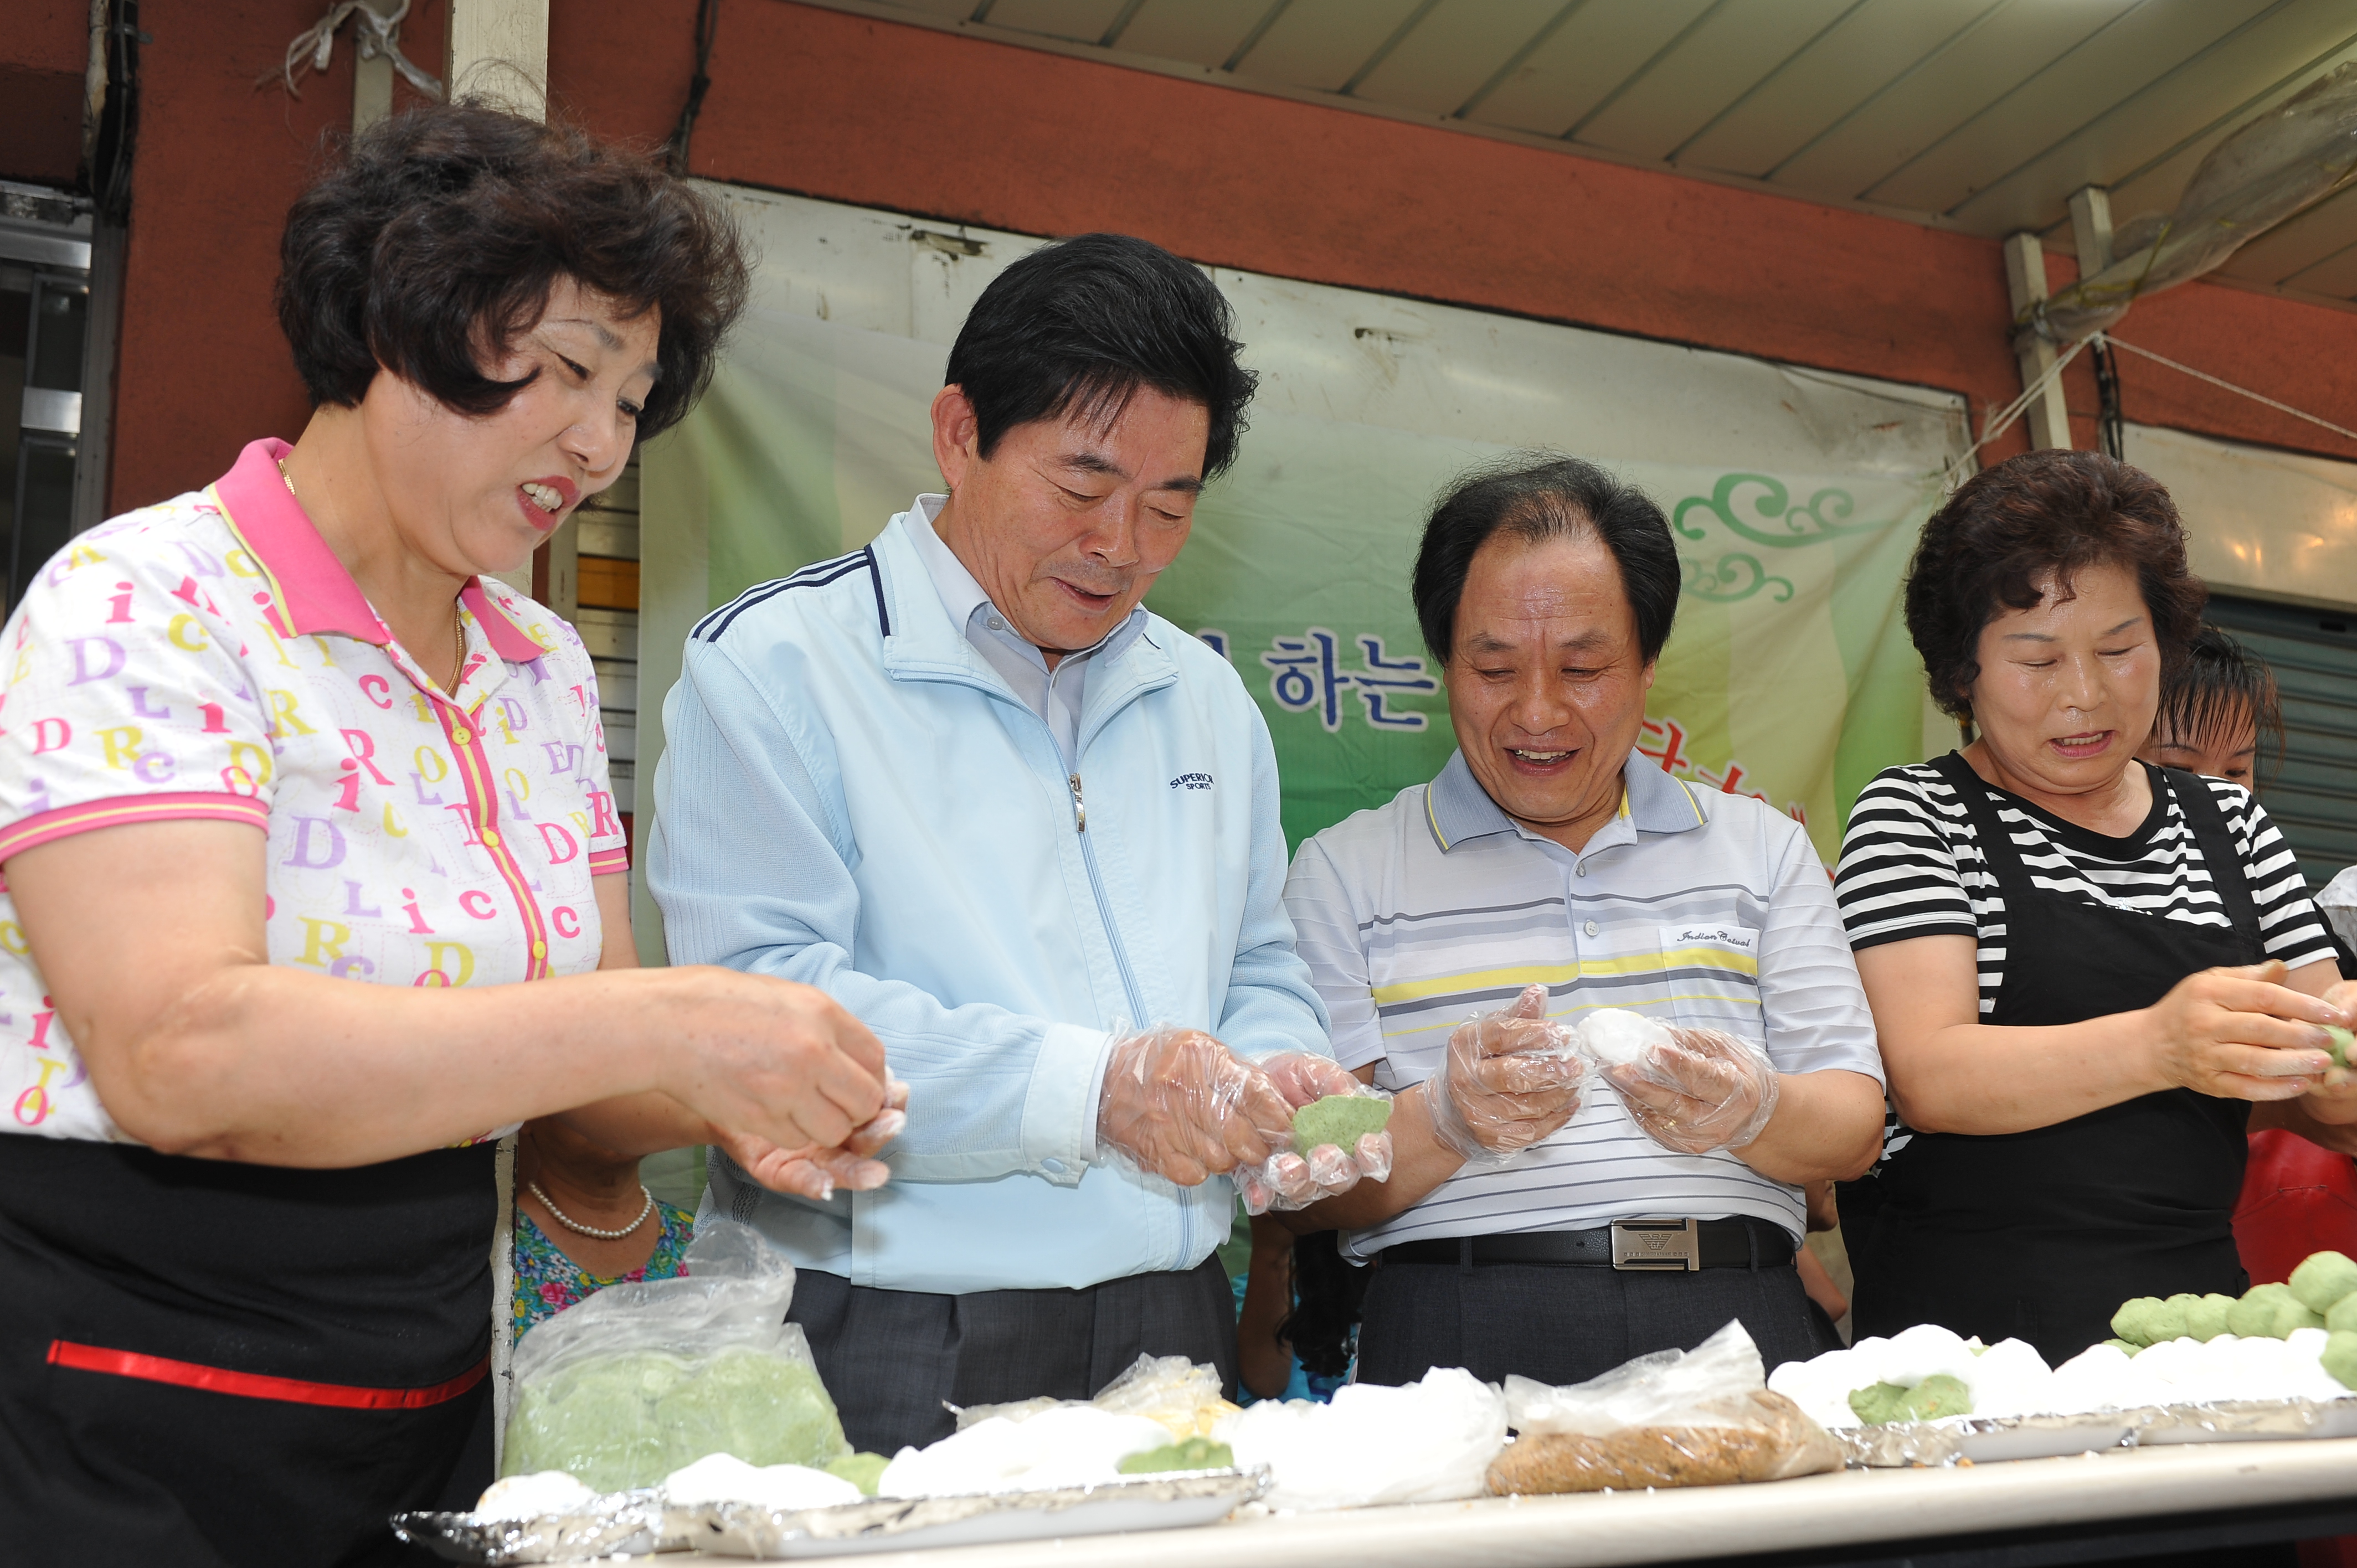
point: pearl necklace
(572, 1224)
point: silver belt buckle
(1657, 1244)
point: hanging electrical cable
(2224, 385)
(707, 18)
(373, 33)
(2111, 425)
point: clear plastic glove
(1703, 1091)
(1178, 1104)
(1295, 1179)
(816, 1173)
(1509, 1078)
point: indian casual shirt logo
(209, 658)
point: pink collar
(313, 592)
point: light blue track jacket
(849, 795)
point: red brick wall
(44, 51)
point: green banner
(1789, 675)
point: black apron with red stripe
(2041, 1235)
(208, 1364)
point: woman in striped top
(2089, 974)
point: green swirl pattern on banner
(1735, 575)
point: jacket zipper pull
(1080, 809)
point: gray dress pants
(1563, 1324)
(893, 1359)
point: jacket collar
(1457, 808)
(925, 643)
(310, 592)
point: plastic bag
(644, 1378)
(2339, 902)
(1703, 1091)
(1674, 1418)
(1507, 1079)
(1310, 1166)
(1425, 1442)
(2261, 173)
(1183, 1395)
(1178, 1104)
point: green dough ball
(1933, 1398)
(2323, 1280)
(862, 1470)
(2253, 1316)
(2343, 1043)
(2168, 1321)
(2343, 1313)
(2340, 1358)
(2291, 1315)
(628, 1420)
(1186, 1454)
(2133, 1322)
(2128, 1345)
(2205, 1319)
(1340, 1120)
(1874, 1403)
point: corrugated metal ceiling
(1976, 114)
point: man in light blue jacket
(1027, 832)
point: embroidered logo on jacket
(1191, 781)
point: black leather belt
(1679, 1245)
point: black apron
(205, 1364)
(2041, 1235)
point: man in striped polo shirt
(1549, 854)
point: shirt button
(997, 625)
(1591, 928)
(461, 736)
(492, 840)
(540, 949)
(1582, 870)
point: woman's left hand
(816, 1173)
(2333, 1097)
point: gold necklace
(457, 614)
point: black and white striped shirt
(1912, 866)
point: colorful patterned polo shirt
(211, 657)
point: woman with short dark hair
(2089, 974)
(288, 731)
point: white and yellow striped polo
(1695, 907)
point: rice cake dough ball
(2292, 1316)
(2253, 1316)
(2340, 1358)
(2134, 1322)
(2323, 1280)
(2206, 1319)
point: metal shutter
(2313, 795)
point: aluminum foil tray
(1169, 1502)
(615, 1524)
(1986, 1439)
(2249, 1421)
